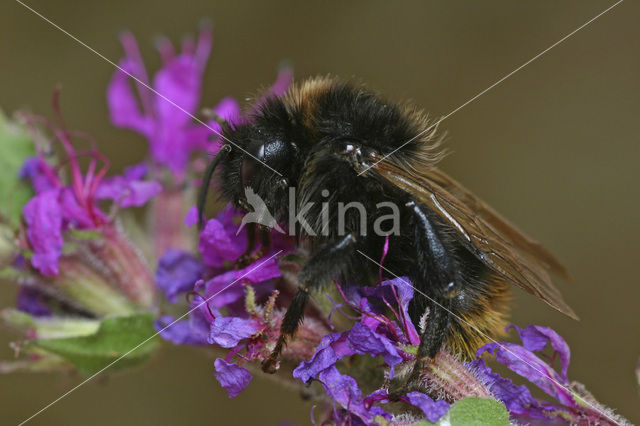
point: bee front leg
(323, 265)
(246, 257)
(249, 254)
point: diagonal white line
(145, 341)
(492, 340)
(494, 85)
(44, 18)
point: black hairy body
(333, 142)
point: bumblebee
(330, 142)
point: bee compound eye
(256, 150)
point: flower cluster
(377, 345)
(233, 305)
(70, 256)
(87, 295)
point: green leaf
(48, 327)
(15, 147)
(117, 337)
(476, 411)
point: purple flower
(57, 207)
(517, 398)
(128, 190)
(31, 301)
(535, 338)
(331, 349)
(42, 176)
(218, 240)
(43, 215)
(432, 410)
(258, 272)
(227, 332)
(191, 217)
(234, 379)
(164, 115)
(164, 118)
(573, 404)
(177, 273)
(279, 88)
(344, 390)
(523, 361)
(182, 332)
(371, 336)
(365, 342)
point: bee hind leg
(321, 267)
(431, 341)
(440, 274)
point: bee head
(260, 156)
(254, 160)
(264, 156)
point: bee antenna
(206, 181)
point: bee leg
(246, 257)
(440, 266)
(320, 268)
(442, 280)
(431, 342)
(249, 255)
(265, 240)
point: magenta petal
(180, 333)
(169, 145)
(283, 81)
(177, 273)
(535, 338)
(364, 341)
(432, 410)
(344, 390)
(517, 398)
(203, 48)
(279, 87)
(40, 173)
(73, 213)
(404, 290)
(31, 301)
(192, 217)
(226, 297)
(227, 332)
(198, 138)
(218, 243)
(123, 105)
(126, 192)
(528, 365)
(179, 82)
(43, 215)
(230, 282)
(136, 172)
(229, 110)
(332, 347)
(232, 377)
(139, 192)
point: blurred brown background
(555, 148)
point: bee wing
(492, 239)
